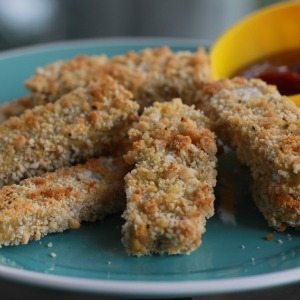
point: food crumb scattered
(50, 245)
(258, 247)
(269, 237)
(109, 262)
(283, 256)
(52, 254)
(253, 260)
(289, 237)
(279, 241)
(243, 247)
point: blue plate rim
(107, 41)
(124, 288)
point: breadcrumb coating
(263, 127)
(57, 79)
(170, 189)
(160, 75)
(61, 200)
(156, 74)
(281, 210)
(14, 107)
(83, 124)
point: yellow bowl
(296, 99)
(270, 30)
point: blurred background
(27, 22)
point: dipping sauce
(281, 69)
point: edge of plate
(122, 288)
(109, 41)
(176, 289)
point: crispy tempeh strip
(264, 128)
(61, 200)
(170, 189)
(160, 75)
(82, 124)
(60, 78)
(152, 74)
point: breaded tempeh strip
(61, 200)
(170, 189)
(82, 124)
(263, 127)
(57, 79)
(158, 74)
(54, 81)
(152, 74)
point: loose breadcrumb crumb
(269, 237)
(52, 254)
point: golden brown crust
(15, 107)
(57, 79)
(61, 200)
(160, 74)
(280, 209)
(263, 127)
(82, 124)
(54, 81)
(151, 75)
(170, 189)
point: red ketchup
(281, 69)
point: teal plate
(234, 256)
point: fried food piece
(61, 200)
(160, 74)
(280, 210)
(54, 81)
(152, 74)
(82, 124)
(263, 127)
(57, 79)
(170, 189)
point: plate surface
(234, 255)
